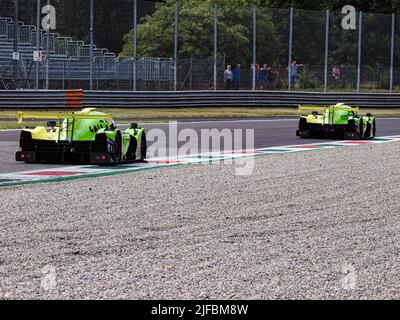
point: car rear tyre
(143, 151)
(115, 149)
(374, 128)
(361, 128)
(368, 130)
(303, 125)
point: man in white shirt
(228, 76)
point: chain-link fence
(189, 44)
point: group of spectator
(232, 77)
(267, 76)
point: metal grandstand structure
(66, 63)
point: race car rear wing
(325, 108)
(61, 116)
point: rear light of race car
(100, 158)
(25, 156)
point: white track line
(9, 130)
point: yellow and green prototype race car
(336, 122)
(88, 136)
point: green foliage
(196, 31)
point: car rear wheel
(115, 149)
(373, 128)
(303, 124)
(361, 128)
(143, 147)
(368, 130)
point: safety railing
(129, 99)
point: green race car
(337, 122)
(88, 136)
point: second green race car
(88, 136)
(337, 122)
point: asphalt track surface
(270, 132)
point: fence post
(134, 43)
(290, 49)
(48, 48)
(91, 35)
(359, 52)
(215, 43)
(254, 46)
(326, 51)
(15, 44)
(97, 77)
(176, 46)
(69, 73)
(191, 74)
(37, 42)
(64, 75)
(392, 52)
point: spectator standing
(262, 77)
(293, 72)
(336, 73)
(228, 77)
(237, 76)
(273, 74)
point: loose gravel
(316, 225)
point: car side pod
(100, 158)
(27, 156)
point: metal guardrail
(185, 99)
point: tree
(196, 31)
